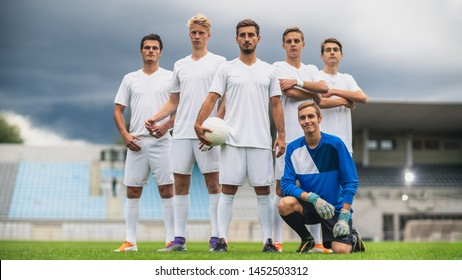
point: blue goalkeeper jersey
(327, 170)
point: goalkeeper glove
(324, 208)
(342, 228)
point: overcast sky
(62, 61)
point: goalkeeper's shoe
(358, 245)
(127, 247)
(278, 246)
(319, 248)
(269, 247)
(306, 245)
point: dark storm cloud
(61, 61)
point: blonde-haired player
(192, 76)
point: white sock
(213, 208)
(277, 220)
(315, 231)
(263, 209)
(181, 212)
(169, 222)
(225, 214)
(132, 215)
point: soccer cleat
(306, 245)
(221, 246)
(319, 248)
(166, 246)
(176, 245)
(358, 245)
(127, 247)
(212, 243)
(269, 247)
(278, 246)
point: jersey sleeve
(123, 96)
(175, 79)
(352, 85)
(274, 88)
(219, 80)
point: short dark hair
(153, 37)
(331, 40)
(245, 23)
(292, 29)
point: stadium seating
(436, 176)
(54, 190)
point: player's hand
(159, 130)
(285, 84)
(132, 143)
(279, 146)
(324, 208)
(149, 124)
(329, 93)
(341, 228)
(204, 148)
(200, 132)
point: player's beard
(248, 51)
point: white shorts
(154, 157)
(279, 167)
(237, 162)
(186, 152)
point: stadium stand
(54, 190)
(8, 173)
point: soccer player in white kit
(192, 77)
(145, 91)
(344, 92)
(299, 82)
(250, 85)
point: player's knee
(341, 248)
(285, 205)
(134, 192)
(166, 191)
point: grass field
(37, 250)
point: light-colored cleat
(319, 248)
(127, 247)
(278, 245)
(172, 247)
(166, 246)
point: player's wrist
(300, 83)
(344, 215)
(312, 198)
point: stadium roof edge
(398, 116)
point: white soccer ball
(220, 132)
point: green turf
(37, 250)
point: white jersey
(337, 120)
(248, 89)
(308, 73)
(145, 95)
(192, 79)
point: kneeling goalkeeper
(326, 174)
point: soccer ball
(220, 132)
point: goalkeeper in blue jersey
(319, 184)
